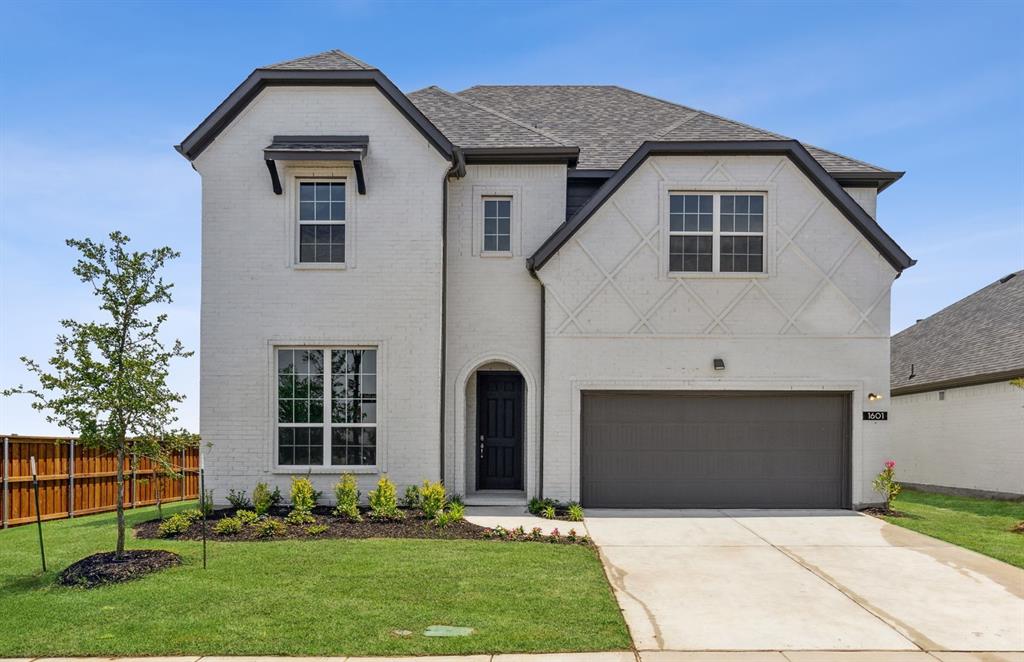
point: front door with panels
(499, 438)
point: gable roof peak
(332, 60)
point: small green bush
(298, 518)
(317, 529)
(269, 528)
(384, 500)
(238, 500)
(206, 503)
(454, 513)
(175, 525)
(192, 514)
(347, 494)
(412, 498)
(246, 517)
(263, 499)
(575, 512)
(537, 506)
(456, 498)
(548, 512)
(303, 495)
(432, 498)
(228, 526)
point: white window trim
(298, 174)
(483, 232)
(483, 192)
(768, 190)
(327, 468)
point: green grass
(317, 597)
(979, 524)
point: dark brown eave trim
(590, 174)
(973, 380)
(877, 180)
(792, 149)
(204, 134)
(512, 155)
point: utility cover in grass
(447, 631)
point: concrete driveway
(802, 580)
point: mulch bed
(882, 512)
(413, 525)
(1018, 528)
(111, 568)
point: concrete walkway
(804, 581)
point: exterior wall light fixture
(719, 364)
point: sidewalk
(622, 656)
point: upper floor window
(322, 221)
(497, 225)
(716, 233)
(326, 406)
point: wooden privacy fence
(80, 481)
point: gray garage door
(715, 450)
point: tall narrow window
(497, 225)
(326, 407)
(716, 233)
(322, 222)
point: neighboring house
(957, 420)
(580, 292)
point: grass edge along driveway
(306, 597)
(981, 525)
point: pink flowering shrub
(886, 485)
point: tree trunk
(159, 481)
(120, 501)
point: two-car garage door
(715, 450)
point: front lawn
(305, 597)
(979, 524)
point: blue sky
(93, 96)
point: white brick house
(578, 292)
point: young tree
(107, 380)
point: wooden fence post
(71, 479)
(6, 480)
(135, 480)
(182, 475)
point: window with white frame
(326, 406)
(497, 225)
(716, 233)
(322, 221)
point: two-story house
(577, 292)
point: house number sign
(876, 416)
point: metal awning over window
(317, 148)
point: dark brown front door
(499, 441)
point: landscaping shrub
(238, 500)
(432, 499)
(299, 517)
(175, 525)
(574, 513)
(537, 506)
(456, 498)
(548, 512)
(263, 499)
(247, 517)
(269, 528)
(347, 494)
(317, 529)
(228, 526)
(454, 513)
(886, 485)
(206, 503)
(412, 497)
(303, 495)
(192, 515)
(384, 500)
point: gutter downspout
(543, 383)
(458, 170)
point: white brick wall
(493, 302)
(252, 297)
(794, 328)
(972, 439)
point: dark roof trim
(879, 180)
(503, 155)
(972, 380)
(317, 148)
(193, 145)
(790, 148)
(590, 174)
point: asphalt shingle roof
(333, 60)
(982, 334)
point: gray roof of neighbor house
(976, 340)
(608, 123)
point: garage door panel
(692, 450)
